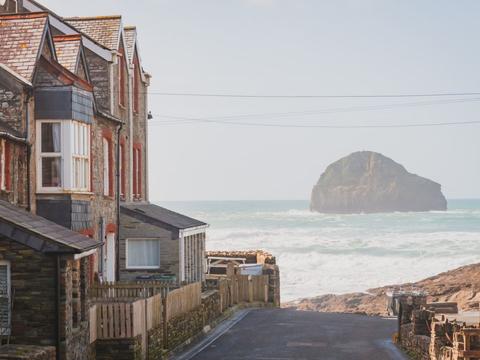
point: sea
(328, 253)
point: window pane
(51, 137)
(143, 253)
(51, 172)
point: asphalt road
(281, 334)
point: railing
(123, 291)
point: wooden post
(250, 289)
(230, 270)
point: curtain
(143, 253)
(56, 129)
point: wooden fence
(117, 318)
(122, 291)
(236, 289)
(182, 300)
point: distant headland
(370, 182)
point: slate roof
(161, 215)
(130, 38)
(21, 36)
(105, 30)
(29, 229)
(67, 48)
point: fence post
(250, 289)
(145, 328)
(265, 293)
(165, 321)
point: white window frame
(67, 154)
(142, 267)
(9, 295)
(81, 153)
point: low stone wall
(155, 343)
(211, 306)
(250, 256)
(184, 327)
(416, 346)
(27, 352)
(120, 349)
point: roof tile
(103, 29)
(20, 39)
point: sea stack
(369, 182)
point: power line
(334, 96)
(329, 110)
(188, 121)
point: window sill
(63, 192)
(142, 268)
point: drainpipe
(57, 307)
(117, 198)
(29, 150)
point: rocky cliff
(370, 182)
(461, 285)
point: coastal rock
(461, 285)
(370, 182)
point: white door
(110, 258)
(5, 307)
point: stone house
(157, 243)
(43, 283)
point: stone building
(43, 283)
(73, 152)
(157, 243)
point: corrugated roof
(162, 215)
(130, 39)
(67, 48)
(103, 29)
(21, 36)
(45, 229)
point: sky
(302, 47)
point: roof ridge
(90, 18)
(33, 15)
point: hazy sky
(302, 47)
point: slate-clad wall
(119, 349)
(169, 247)
(33, 285)
(100, 79)
(70, 213)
